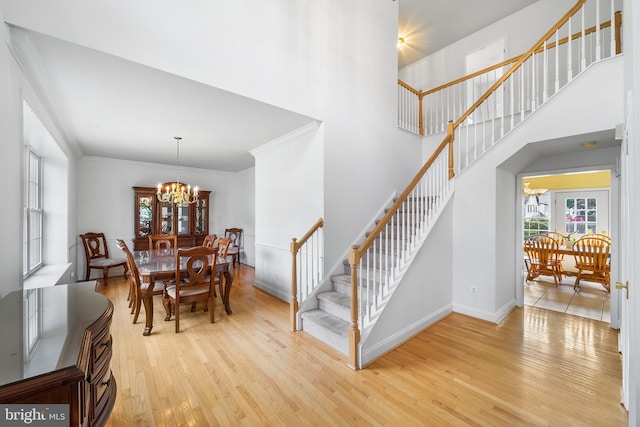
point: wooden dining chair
(97, 257)
(163, 242)
(542, 252)
(195, 285)
(235, 235)
(592, 256)
(136, 285)
(209, 240)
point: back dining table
(158, 265)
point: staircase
(377, 265)
(330, 322)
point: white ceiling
(111, 107)
(429, 25)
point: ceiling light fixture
(177, 192)
(591, 144)
(400, 42)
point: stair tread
(328, 321)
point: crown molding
(306, 129)
(27, 56)
(162, 166)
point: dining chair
(592, 256)
(97, 257)
(136, 285)
(542, 251)
(209, 240)
(235, 235)
(222, 254)
(196, 284)
(562, 243)
(163, 242)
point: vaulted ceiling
(115, 108)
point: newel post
(451, 136)
(293, 305)
(354, 331)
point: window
(32, 216)
(536, 214)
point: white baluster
(569, 54)
(613, 29)
(583, 53)
(557, 73)
(598, 54)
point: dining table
(158, 265)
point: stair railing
(307, 267)
(378, 263)
(379, 260)
(428, 112)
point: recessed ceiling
(429, 25)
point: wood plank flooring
(537, 368)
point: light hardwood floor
(537, 368)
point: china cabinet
(190, 221)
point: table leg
(147, 299)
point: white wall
(289, 188)
(16, 87)
(106, 198)
(478, 245)
(10, 171)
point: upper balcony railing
(567, 51)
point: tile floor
(591, 300)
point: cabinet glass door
(145, 216)
(183, 218)
(166, 218)
(200, 217)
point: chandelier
(177, 192)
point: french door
(581, 212)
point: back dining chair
(235, 235)
(97, 257)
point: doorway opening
(567, 207)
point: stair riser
(337, 310)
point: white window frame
(33, 216)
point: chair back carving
(163, 242)
(592, 256)
(209, 240)
(542, 251)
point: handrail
(551, 45)
(359, 250)
(518, 63)
(295, 248)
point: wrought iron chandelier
(177, 192)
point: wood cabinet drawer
(99, 388)
(100, 344)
